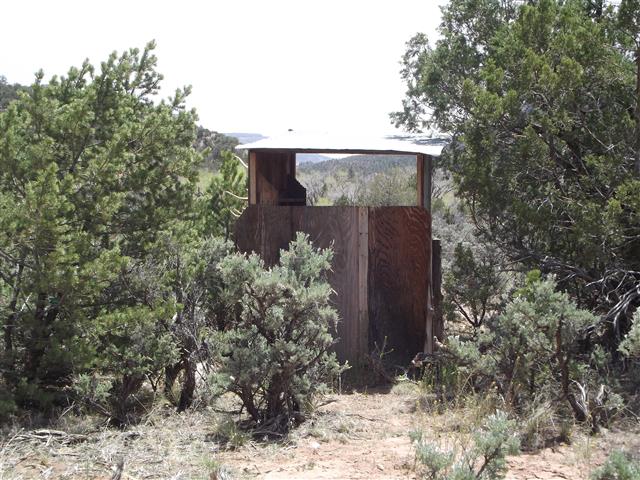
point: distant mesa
(244, 137)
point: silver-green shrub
(630, 345)
(619, 466)
(275, 351)
(483, 459)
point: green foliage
(393, 187)
(533, 353)
(189, 270)
(630, 346)
(275, 350)
(92, 170)
(540, 99)
(473, 286)
(483, 459)
(225, 197)
(229, 434)
(377, 180)
(8, 92)
(619, 466)
(213, 145)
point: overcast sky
(255, 66)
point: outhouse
(385, 286)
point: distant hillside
(216, 142)
(311, 158)
(361, 165)
(244, 137)
(254, 137)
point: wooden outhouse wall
(399, 266)
(268, 176)
(380, 271)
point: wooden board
(381, 269)
(424, 166)
(399, 271)
(266, 229)
(268, 175)
(436, 276)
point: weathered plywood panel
(338, 227)
(399, 272)
(380, 275)
(266, 229)
(268, 175)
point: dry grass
(166, 445)
(350, 436)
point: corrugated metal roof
(325, 143)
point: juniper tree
(225, 197)
(542, 102)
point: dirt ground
(352, 436)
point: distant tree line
(8, 92)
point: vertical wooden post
(436, 280)
(253, 179)
(423, 174)
(363, 282)
(420, 179)
(428, 339)
(291, 164)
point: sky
(254, 66)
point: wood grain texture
(399, 272)
(420, 166)
(272, 179)
(265, 229)
(424, 166)
(436, 276)
(363, 280)
(380, 275)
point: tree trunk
(563, 365)
(188, 386)
(637, 114)
(170, 376)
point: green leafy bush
(473, 286)
(187, 267)
(92, 169)
(534, 353)
(619, 466)
(225, 197)
(274, 353)
(483, 459)
(630, 345)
